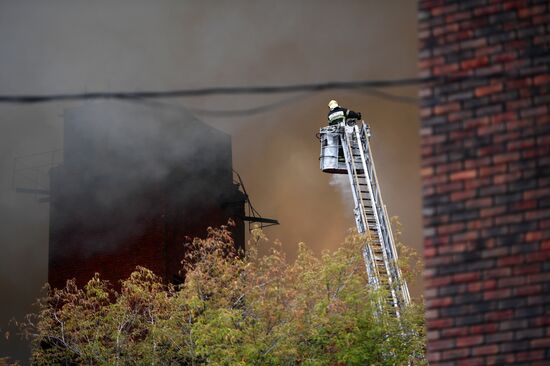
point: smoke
(72, 46)
(341, 183)
(121, 160)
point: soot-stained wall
(137, 180)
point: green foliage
(232, 310)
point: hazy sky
(74, 46)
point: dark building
(486, 180)
(137, 180)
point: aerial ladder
(345, 149)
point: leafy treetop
(232, 309)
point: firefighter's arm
(352, 114)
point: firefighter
(338, 114)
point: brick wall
(486, 180)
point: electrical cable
(242, 90)
(229, 90)
(235, 113)
(370, 87)
(232, 113)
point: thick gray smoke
(121, 159)
(75, 46)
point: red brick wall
(145, 247)
(486, 180)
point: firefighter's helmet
(332, 104)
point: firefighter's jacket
(339, 114)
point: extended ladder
(370, 213)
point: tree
(232, 309)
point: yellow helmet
(332, 104)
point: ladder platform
(345, 149)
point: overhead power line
(235, 113)
(265, 108)
(269, 89)
(229, 90)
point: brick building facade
(485, 132)
(136, 183)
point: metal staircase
(345, 149)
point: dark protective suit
(340, 114)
